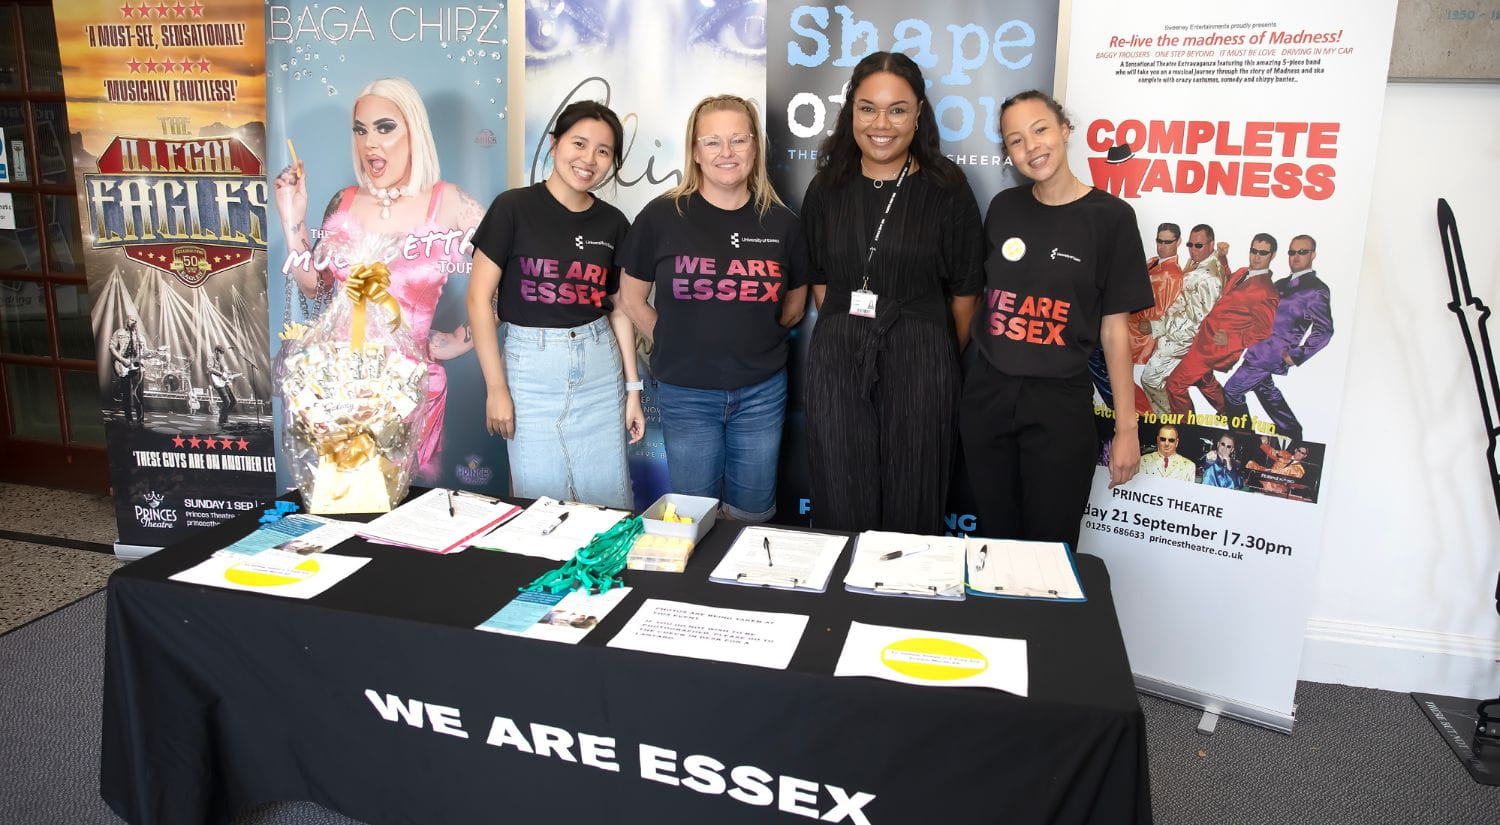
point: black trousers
(133, 395)
(226, 402)
(1031, 447)
(881, 406)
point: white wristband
(634, 386)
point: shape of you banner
(1246, 142)
(397, 113)
(166, 104)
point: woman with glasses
(1065, 269)
(560, 376)
(894, 234)
(728, 263)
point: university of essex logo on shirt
(735, 239)
(1056, 254)
(1014, 249)
(579, 242)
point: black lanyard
(864, 287)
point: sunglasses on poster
(1196, 245)
(1303, 251)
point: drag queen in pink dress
(422, 224)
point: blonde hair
(762, 194)
(425, 172)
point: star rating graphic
(193, 441)
(179, 441)
(212, 442)
(183, 66)
(161, 10)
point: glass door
(51, 431)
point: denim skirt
(569, 392)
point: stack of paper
(439, 521)
(1023, 570)
(905, 564)
(551, 529)
(784, 559)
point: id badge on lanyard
(862, 301)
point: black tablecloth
(216, 700)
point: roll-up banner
(651, 63)
(434, 78)
(973, 55)
(166, 105)
(1253, 132)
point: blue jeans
(569, 390)
(725, 443)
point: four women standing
(898, 257)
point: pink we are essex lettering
(544, 281)
(749, 280)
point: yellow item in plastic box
(661, 553)
(670, 515)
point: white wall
(1411, 546)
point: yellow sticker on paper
(935, 660)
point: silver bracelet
(634, 386)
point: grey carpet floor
(1362, 757)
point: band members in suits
(1241, 317)
(126, 349)
(1202, 284)
(1303, 326)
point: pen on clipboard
(556, 524)
(449, 494)
(765, 541)
(901, 554)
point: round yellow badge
(1013, 249)
(252, 577)
(935, 660)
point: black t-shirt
(557, 266)
(1051, 273)
(720, 277)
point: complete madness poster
(167, 101)
(1246, 144)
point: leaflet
(929, 657)
(299, 533)
(747, 637)
(277, 572)
(906, 564)
(784, 559)
(551, 529)
(439, 521)
(556, 617)
(1007, 568)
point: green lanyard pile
(596, 567)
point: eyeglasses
(715, 143)
(1168, 440)
(1196, 245)
(1307, 251)
(1164, 242)
(1254, 251)
(897, 114)
(1226, 446)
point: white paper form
(276, 572)
(784, 559)
(297, 532)
(427, 523)
(906, 564)
(931, 658)
(1023, 569)
(747, 637)
(566, 618)
(551, 529)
